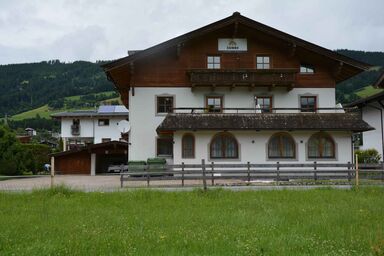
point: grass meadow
(60, 221)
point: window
(281, 145)
(306, 69)
(188, 146)
(164, 146)
(214, 103)
(164, 104)
(224, 145)
(103, 122)
(213, 62)
(265, 103)
(75, 127)
(308, 103)
(104, 140)
(263, 62)
(321, 145)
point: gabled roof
(236, 18)
(103, 111)
(271, 122)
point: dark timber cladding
(298, 121)
(171, 62)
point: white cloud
(35, 30)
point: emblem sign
(232, 44)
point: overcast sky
(69, 30)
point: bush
(368, 156)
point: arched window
(224, 145)
(188, 146)
(321, 145)
(281, 145)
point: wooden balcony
(242, 77)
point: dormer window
(213, 62)
(306, 69)
(263, 62)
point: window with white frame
(263, 62)
(213, 62)
(306, 69)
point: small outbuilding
(92, 159)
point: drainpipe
(381, 124)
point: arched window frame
(222, 136)
(280, 135)
(319, 136)
(183, 146)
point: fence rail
(209, 173)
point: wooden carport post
(52, 171)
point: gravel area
(109, 183)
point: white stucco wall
(253, 147)
(372, 139)
(144, 121)
(89, 128)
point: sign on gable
(232, 44)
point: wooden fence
(250, 173)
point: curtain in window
(321, 146)
(281, 146)
(188, 143)
(224, 146)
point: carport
(90, 160)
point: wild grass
(61, 221)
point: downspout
(381, 124)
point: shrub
(368, 156)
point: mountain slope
(27, 86)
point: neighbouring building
(237, 91)
(80, 128)
(371, 109)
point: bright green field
(45, 112)
(312, 222)
(368, 91)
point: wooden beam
(213, 87)
(272, 86)
(131, 73)
(337, 70)
(232, 87)
(292, 50)
(252, 87)
(290, 87)
(178, 50)
(235, 29)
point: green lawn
(312, 222)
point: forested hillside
(345, 91)
(27, 86)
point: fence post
(315, 171)
(182, 174)
(121, 180)
(148, 178)
(382, 171)
(52, 171)
(357, 171)
(249, 173)
(204, 177)
(212, 176)
(349, 171)
(278, 173)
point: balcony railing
(190, 110)
(247, 77)
(75, 130)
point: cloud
(35, 30)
